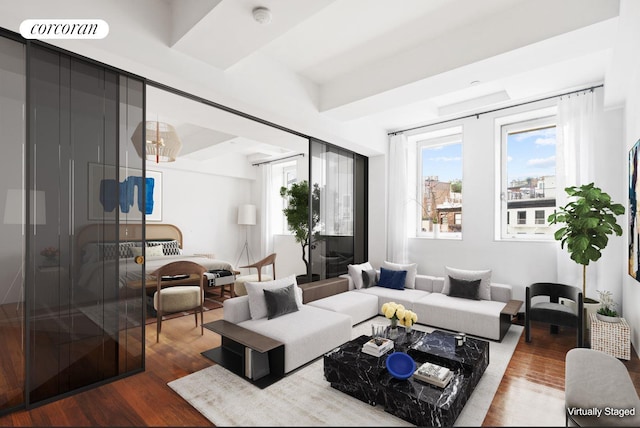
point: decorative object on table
(297, 214)
(395, 312)
(378, 330)
(377, 350)
(400, 365)
(51, 255)
(409, 319)
(606, 312)
(588, 219)
(459, 341)
(433, 374)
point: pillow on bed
(96, 251)
(257, 301)
(155, 251)
(170, 248)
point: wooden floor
(530, 394)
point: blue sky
(443, 161)
(529, 154)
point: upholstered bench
(358, 306)
(599, 391)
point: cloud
(539, 134)
(542, 162)
(545, 141)
(509, 158)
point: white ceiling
(348, 68)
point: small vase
(393, 329)
(408, 328)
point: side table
(613, 338)
(250, 355)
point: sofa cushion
(359, 306)
(307, 334)
(476, 317)
(369, 278)
(411, 268)
(355, 272)
(392, 278)
(280, 301)
(464, 289)
(255, 291)
(406, 297)
(484, 275)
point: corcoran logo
(64, 29)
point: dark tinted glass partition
(12, 173)
(339, 179)
(82, 328)
(66, 322)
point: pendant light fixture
(162, 142)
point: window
(282, 174)
(527, 177)
(439, 194)
(522, 217)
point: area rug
(305, 398)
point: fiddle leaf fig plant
(588, 218)
(297, 214)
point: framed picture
(634, 227)
(124, 193)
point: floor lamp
(246, 217)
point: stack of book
(377, 349)
(433, 374)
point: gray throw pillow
(369, 278)
(467, 289)
(280, 301)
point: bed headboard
(128, 232)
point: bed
(99, 249)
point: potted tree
(588, 218)
(297, 214)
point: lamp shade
(247, 214)
(162, 142)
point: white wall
(516, 263)
(631, 287)
(205, 208)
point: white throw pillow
(411, 268)
(355, 272)
(257, 302)
(155, 251)
(484, 292)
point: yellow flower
(390, 312)
(400, 313)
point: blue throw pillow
(392, 278)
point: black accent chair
(553, 312)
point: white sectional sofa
(307, 333)
(483, 318)
(325, 323)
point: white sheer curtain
(579, 120)
(397, 200)
(266, 235)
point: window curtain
(398, 199)
(266, 237)
(580, 117)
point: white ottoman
(359, 306)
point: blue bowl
(400, 365)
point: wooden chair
(178, 298)
(553, 312)
(239, 287)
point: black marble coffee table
(366, 378)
